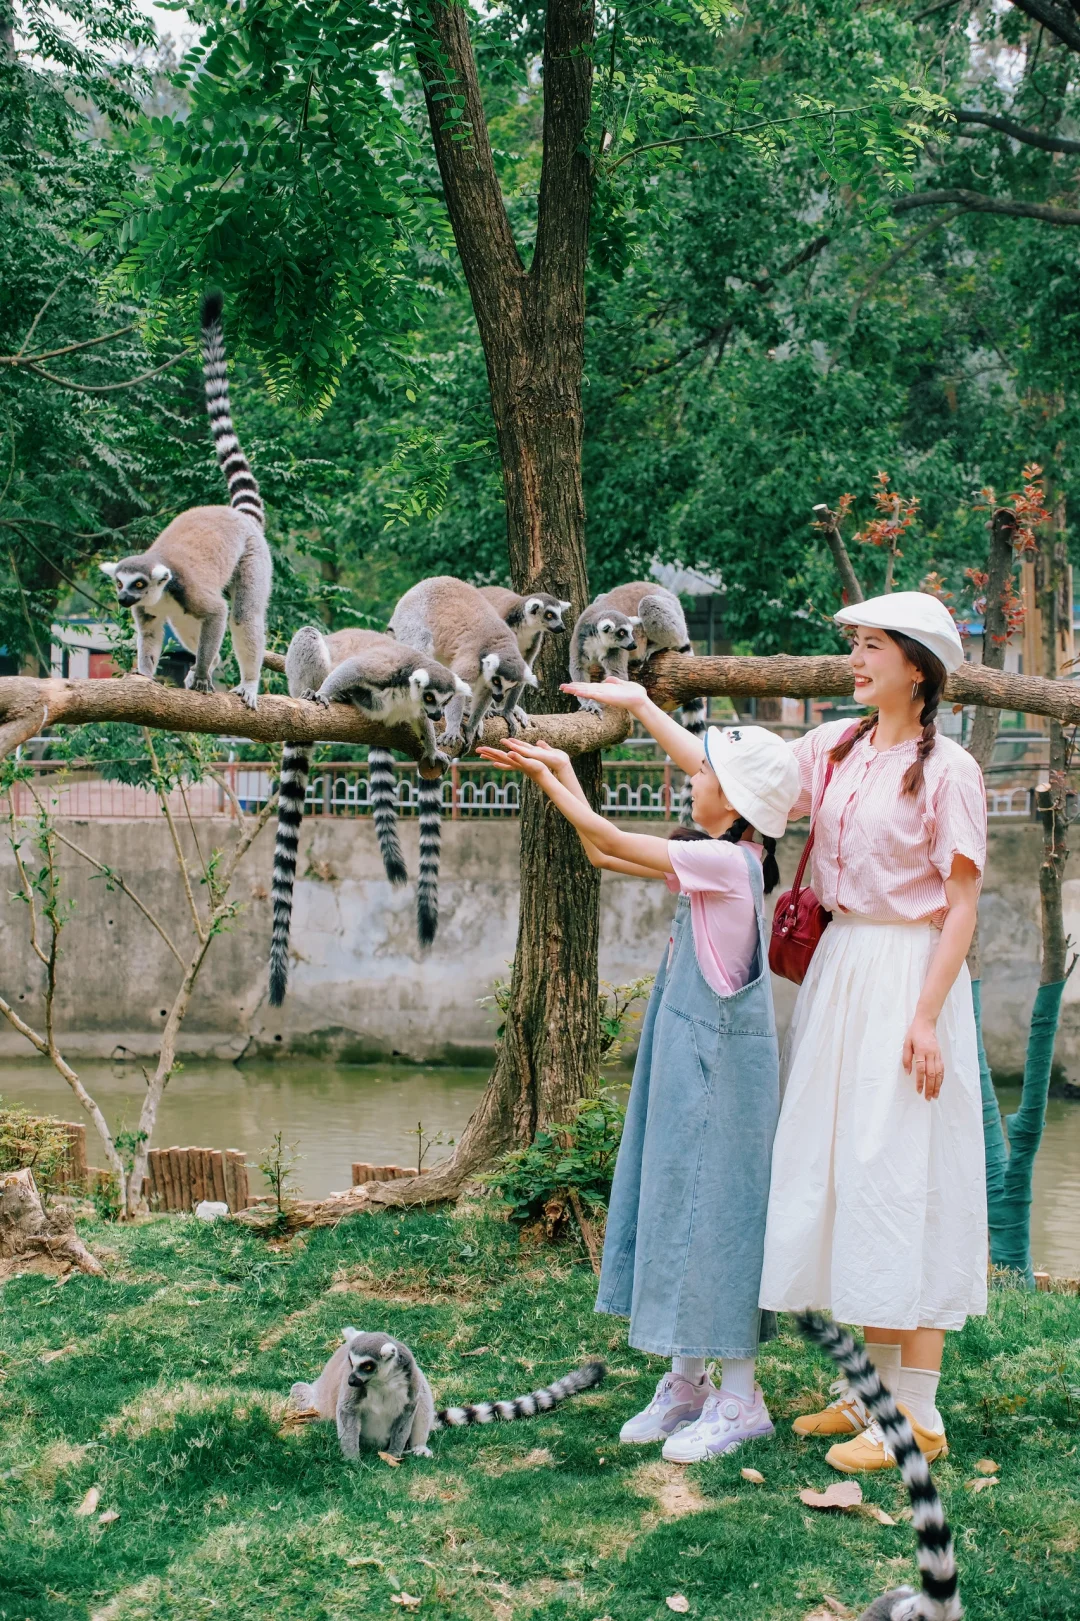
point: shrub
(36, 1143)
(573, 1159)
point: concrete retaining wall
(360, 987)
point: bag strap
(808, 846)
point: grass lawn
(169, 1398)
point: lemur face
(136, 583)
(547, 613)
(618, 632)
(365, 1363)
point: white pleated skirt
(877, 1207)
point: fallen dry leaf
(678, 1602)
(361, 1559)
(987, 1466)
(835, 1606)
(51, 1356)
(89, 1503)
(109, 1516)
(874, 1512)
(480, 1351)
(754, 1475)
(841, 1494)
(408, 1601)
(982, 1482)
(395, 1463)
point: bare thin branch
(163, 799)
(103, 388)
(122, 884)
(1018, 132)
(22, 359)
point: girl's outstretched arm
(561, 767)
(641, 851)
(677, 743)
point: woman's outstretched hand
(621, 694)
(922, 1056)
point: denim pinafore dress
(686, 1221)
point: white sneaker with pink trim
(726, 1422)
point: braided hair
(770, 872)
(931, 687)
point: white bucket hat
(913, 613)
(757, 771)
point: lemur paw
(421, 1452)
(453, 745)
(522, 716)
(590, 706)
(438, 759)
(249, 692)
(320, 698)
(202, 685)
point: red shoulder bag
(800, 920)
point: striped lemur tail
(382, 788)
(540, 1401)
(243, 490)
(427, 886)
(940, 1598)
(295, 766)
(693, 714)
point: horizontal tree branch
(977, 202)
(1018, 132)
(101, 388)
(26, 704)
(673, 677)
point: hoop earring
(915, 685)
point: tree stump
(31, 1236)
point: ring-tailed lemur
(940, 1598)
(458, 625)
(659, 625)
(375, 1390)
(211, 565)
(530, 618)
(385, 681)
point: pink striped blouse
(879, 852)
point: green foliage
(278, 1166)
(170, 1405)
(577, 1155)
(36, 1143)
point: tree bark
(28, 1231)
(985, 727)
(830, 523)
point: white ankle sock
(689, 1367)
(738, 1379)
(886, 1359)
(917, 1391)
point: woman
(877, 1209)
(686, 1223)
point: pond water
(337, 1113)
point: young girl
(686, 1224)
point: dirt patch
(405, 1287)
(432, 1489)
(496, 1464)
(507, 1601)
(670, 1489)
(57, 1457)
(160, 1407)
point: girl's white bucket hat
(913, 613)
(757, 771)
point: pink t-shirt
(714, 876)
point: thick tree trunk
(532, 326)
